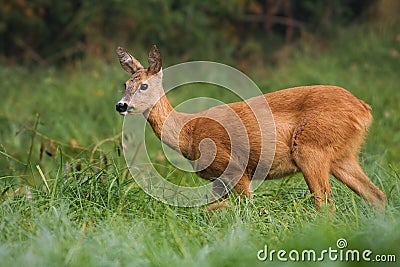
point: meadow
(67, 198)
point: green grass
(80, 207)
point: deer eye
(144, 86)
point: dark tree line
(56, 31)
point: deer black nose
(121, 107)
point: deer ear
(128, 62)
(154, 60)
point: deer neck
(167, 123)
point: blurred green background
(54, 32)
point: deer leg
(350, 173)
(220, 191)
(318, 183)
(316, 175)
(217, 205)
(243, 187)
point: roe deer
(319, 131)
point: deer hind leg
(350, 173)
(315, 169)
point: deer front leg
(220, 192)
(243, 188)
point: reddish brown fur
(319, 131)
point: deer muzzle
(121, 107)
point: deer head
(144, 87)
